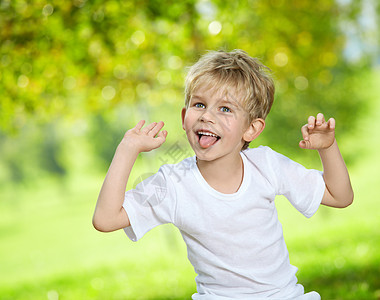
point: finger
(160, 139)
(305, 132)
(303, 144)
(331, 123)
(311, 122)
(149, 127)
(320, 119)
(156, 129)
(162, 134)
(139, 125)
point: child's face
(215, 123)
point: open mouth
(207, 138)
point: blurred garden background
(75, 75)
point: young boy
(222, 199)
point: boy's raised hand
(145, 139)
(317, 133)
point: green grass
(49, 249)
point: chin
(204, 155)
(208, 155)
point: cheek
(236, 132)
(232, 125)
(188, 122)
(190, 117)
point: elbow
(349, 200)
(99, 225)
(104, 223)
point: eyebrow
(196, 97)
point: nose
(207, 116)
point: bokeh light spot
(138, 37)
(175, 62)
(108, 92)
(143, 90)
(69, 83)
(206, 9)
(23, 81)
(339, 262)
(301, 83)
(164, 77)
(79, 3)
(215, 27)
(5, 60)
(48, 10)
(362, 250)
(95, 48)
(281, 59)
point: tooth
(207, 133)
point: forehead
(221, 92)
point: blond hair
(239, 71)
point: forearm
(340, 193)
(109, 214)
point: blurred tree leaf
(80, 59)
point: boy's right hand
(145, 139)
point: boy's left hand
(317, 133)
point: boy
(222, 199)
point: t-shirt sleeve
(304, 188)
(150, 204)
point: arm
(109, 214)
(320, 135)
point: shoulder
(261, 153)
(266, 159)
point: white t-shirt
(234, 241)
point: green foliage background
(87, 63)
(74, 75)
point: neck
(224, 175)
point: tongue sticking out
(206, 141)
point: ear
(254, 129)
(183, 113)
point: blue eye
(200, 105)
(225, 109)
